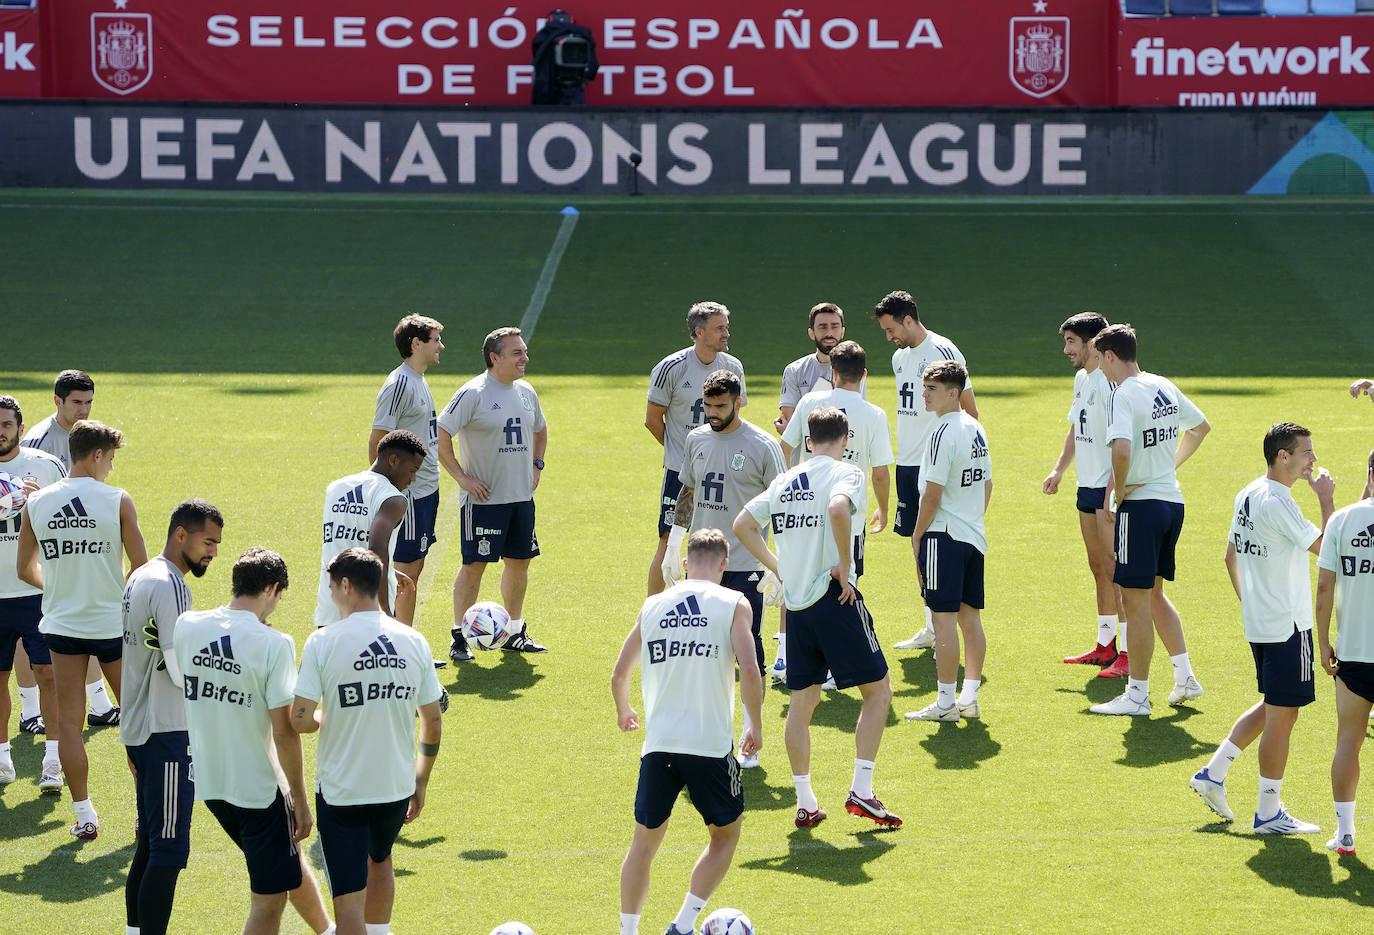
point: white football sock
(50, 752)
(1121, 636)
(516, 626)
(687, 916)
(629, 923)
(28, 702)
(782, 648)
(1182, 668)
(95, 694)
(1221, 761)
(805, 797)
(1138, 689)
(132, 930)
(5, 752)
(85, 811)
(863, 778)
(944, 694)
(930, 621)
(377, 928)
(332, 930)
(1345, 818)
(1106, 629)
(1269, 802)
(968, 694)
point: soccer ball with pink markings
(486, 625)
(727, 922)
(12, 496)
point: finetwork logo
(218, 655)
(380, 654)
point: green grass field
(239, 342)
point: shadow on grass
(759, 795)
(61, 878)
(840, 710)
(508, 679)
(1307, 869)
(1153, 741)
(18, 384)
(821, 860)
(481, 854)
(960, 746)
(276, 389)
(1096, 690)
(29, 818)
(918, 675)
(1231, 391)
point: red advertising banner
(19, 59)
(1283, 61)
(671, 53)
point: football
(510, 928)
(727, 922)
(12, 496)
(486, 625)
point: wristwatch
(539, 464)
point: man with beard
(675, 407)
(807, 374)
(727, 462)
(153, 726)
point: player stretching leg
(810, 510)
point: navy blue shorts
(19, 618)
(834, 637)
(858, 553)
(350, 834)
(497, 531)
(908, 500)
(417, 529)
(106, 651)
(265, 835)
(667, 501)
(712, 782)
(747, 583)
(1283, 671)
(1358, 677)
(1146, 534)
(164, 796)
(951, 572)
(1092, 499)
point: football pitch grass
(239, 343)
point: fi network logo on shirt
(379, 654)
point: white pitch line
(541, 288)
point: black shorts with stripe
(267, 838)
(834, 637)
(164, 795)
(1284, 671)
(712, 782)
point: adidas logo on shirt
(379, 654)
(218, 655)
(72, 516)
(1243, 517)
(686, 614)
(351, 502)
(1364, 539)
(980, 446)
(1164, 406)
(797, 490)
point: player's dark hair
(1119, 339)
(192, 515)
(412, 327)
(947, 373)
(1371, 461)
(88, 435)
(257, 570)
(1282, 436)
(721, 383)
(1085, 325)
(848, 361)
(824, 308)
(360, 567)
(899, 304)
(708, 543)
(493, 342)
(401, 441)
(69, 381)
(699, 314)
(12, 404)
(826, 424)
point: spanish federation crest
(122, 50)
(737, 462)
(1039, 56)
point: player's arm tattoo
(686, 502)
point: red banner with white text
(668, 53)
(19, 54)
(1264, 61)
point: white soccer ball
(511, 928)
(486, 625)
(12, 496)
(727, 922)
